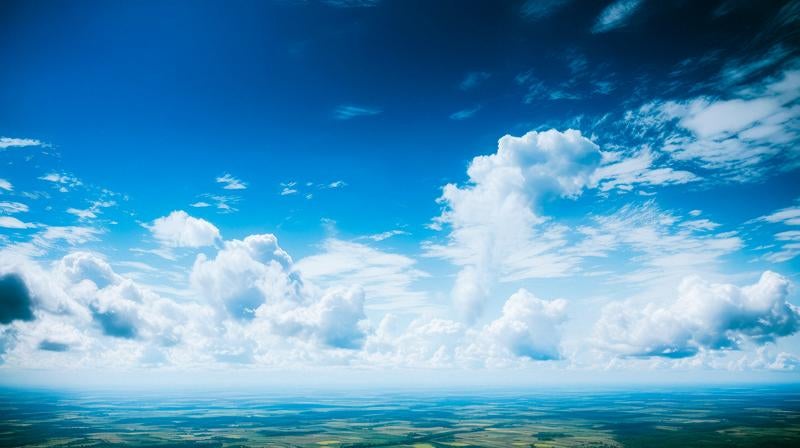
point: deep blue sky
(371, 107)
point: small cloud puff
(179, 229)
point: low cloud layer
(703, 316)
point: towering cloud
(493, 220)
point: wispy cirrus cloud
(13, 207)
(465, 113)
(535, 10)
(91, 212)
(786, 245)
(350, 111)
(10, 142)
(377, 237)
(352, 3)
(734, 135)
(387, 278)
(222, 203)
(231, 183)
(615, 15)
(293, 187)
(473, 79)
(10, 222)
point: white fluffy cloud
(254, 279)
(179, 229)
(246, 274)
(85, 313)
(335, 320)
(528, 330)
(249, 305)
(529, 326)
(492, 220)
(496, 231)
(703, 316)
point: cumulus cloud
(703, 316)
(82, 307)
(255, 280)
(245, 274)
(424, 342)
(179, 229)
(493, 224)
(529, 326)
(528, 330)
(334, 320)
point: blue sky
(538, 187)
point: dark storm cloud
(15, 299)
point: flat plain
(661, 417)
